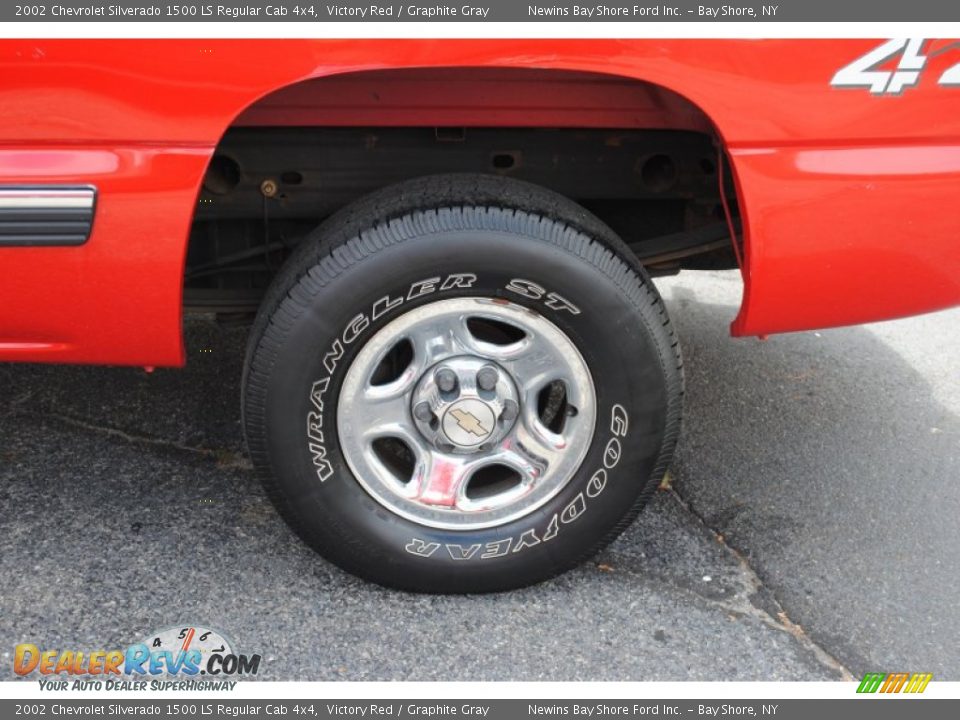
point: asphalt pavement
(810, 529)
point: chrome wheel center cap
(465, 404)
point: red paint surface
(849, 199)
(842, 236)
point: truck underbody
(268, 187)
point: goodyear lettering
(421, 548)
(497, 549)
(597, 483)
(459, 552)
(611, 453)
(528, 539)
(552, 529)
(619, 422)
(574, 510)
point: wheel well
(641, 157)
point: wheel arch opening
(643, 157)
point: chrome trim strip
(15, 198)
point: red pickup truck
(460, 376)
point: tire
(550, 291)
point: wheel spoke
(513, 354)
(532, 361)
(441, 479)
(443, 337)
(381, 412)
(534, 443)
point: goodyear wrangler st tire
(461, 384)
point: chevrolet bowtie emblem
(469, 422)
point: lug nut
(423, 412)
(487, 378)
(446, 379)
(510, 411)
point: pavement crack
(14, 407)
(775, 616)
(223, 458)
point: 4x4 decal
(865, 72)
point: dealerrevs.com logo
(184, 652)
